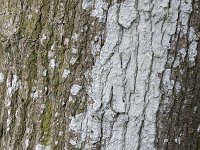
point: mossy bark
(37, 38)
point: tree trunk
(99, 74)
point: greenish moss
(46, 123)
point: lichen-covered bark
(99, 74)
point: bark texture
(99, 74)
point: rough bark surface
(179, 115)
(99, 74)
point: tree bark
(99, 74)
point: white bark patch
(56, 114)
(75, 36)
(42, 147)
(192, 51)
(125, 87)
(98, 12)
(99, 8)
(66, 73)
(34, 94)
(74, 50)
(76, 123)
(75, 89)
(66, 41)
(51, 54)
(198, 129)
(72, 60)
(169, 84)
(8, 26)
(56, 142)
(12, 86)
(1, 77)
(96, 45)
(178, 140)
(52, 63)
(43, 38)
(87, 4)
(44, 73)
(128, 7)
(60, 133)
(26, 143)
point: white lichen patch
(60, 133)
(75, 89)
(98, 12)
(66, 41)
(45, 88)
(28, 130)
(192, 51)
(125, 88)
(1, 77)
(42, 147)
(53, 47)
(74, 50)
(178, 140)
(128, 7)
(43, 38)
(74, 142)
(56, 142)
(66, 73)
(75, 36)
(44, 73)
(87, 4)
(8, 121)
(166, 141)
(56, 114)
(73, 60)
(183, 53)
(169, 84)
(51, 54)
(70, 99)
(26, 143)
(100, 6)
(13, 85)
(96, 45)
(8, 26)
(34, 94)
(52, 63)
(76, 122)
(30, 16)
(43, 106)
(198, 129)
